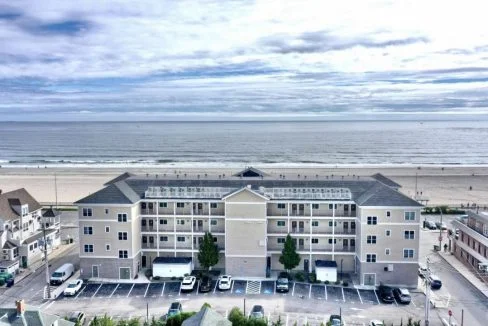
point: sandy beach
(448, 185)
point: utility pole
(46, 259)
(427, 294)
(440, 231)
(56, 189)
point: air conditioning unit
(483, 267)
(389, 268)
(262, 243)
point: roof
(31, 317)
(50, 212)
(250, 172)
(364, 191)
(207, 317)
(325, 263)
(16, 198)
(386, 181)
(172, 260)
(9, 245)
(38, 236)
(8, 263)
(121, 177)
(480, 217)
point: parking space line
(377, 300)
(293, 291)
(360, 299)
(80, 292)
(325, 290)
(111, 294)
(274, 288)
(198, 287)
(179, 292)
(215, 287)
(343, 297)
(162, 291)
(286, 320)
(147, 288)
(130, 289)
(96, 291)
(394, 300)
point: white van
(62, 274)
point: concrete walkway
(465, 271)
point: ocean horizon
(234, 143)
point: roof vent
(248, 186)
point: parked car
(77, 317)
(205, 284)
(62, 274)
(440, 226)
(257, 312)
(282, 284)
(73, 287)
(225, 282)
(188, 283)
(386, 294)
(435, 282)
(423, 270)
(376, 323)
(335, 320)
(430, 225)
(174, 309)
(402, 295)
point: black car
(386, 294)
(205, 284)
(435, 282)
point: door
(301, 243)
(200, 225)
(268, 266)
(293, 226)
(143, 225)
(301, 226)
(301, 209)
(369, 279)
(345, 244)
(95, 271)
(345, 225)
(151, 224)
(305, 265)
(353, 227)
(294, 209)
(143, 261)
(124, 273)
(353, 244)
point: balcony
(149, 245)
(148, 228)
(166, 245)
(300, 230)
(200, 228)
(336, 232)
(202, 212)
(148, 211)
(217, 229)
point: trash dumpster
(437, 248)
(10, 282)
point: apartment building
(21, 235)
(471, 244)
(363, 223)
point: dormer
(25, 209)
(250, 172)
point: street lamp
(341, 267)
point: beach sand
(449, 185)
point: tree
(208, 254)
(289, 257)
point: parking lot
(172, 289)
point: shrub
(177, 320)
(156, 278)
(148, 273)
(312, 277)
(326, 282)
(300, 277)
(337, 282)
(345, 283)
(173, 278)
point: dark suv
(205, 284)
(386, 294)
(282, 284)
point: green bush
(177, 320)
(312, 277)
(156, 278)
(173, 278)
(345, 283)
(337, 282)
(300, 276)
(326, 282)
(148, 273)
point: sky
(258, 60)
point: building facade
(21, 233)
(367, 226)
(471, 244)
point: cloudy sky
(178, 60)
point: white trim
(375, 257)
(130, 274)
(105, 228)
(247, 256)
(80, 205)
(245, 203)
(392, 207)
(243, 189)
(387, 235)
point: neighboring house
(21, 235)
(23, 315)
(471, 245)
(207, 317)
(366, 226)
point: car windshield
(223, 281)
(56, 274)
(72, 285)
(187, 281)
(283, 281)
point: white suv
(225, 282)
(188, 283)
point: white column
(310, 236)
(288, 210)
(157, 228)
(333, 230)
(174, 228)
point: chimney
(20, 305)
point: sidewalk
(465, 271)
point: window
(88, 230)
(123, 254)
(330, 223)
(280, 240)
(409, 216)
(371, 239)
(371, 258)
(213, 222)
(388, 233)
(315, 240)
(387, 251)
(122, 235)
(315, 206)
(408, 253)
(330, 206)
(315, 223)
(280, 223)
(163, 205)
(163, 222)
(388, 214)
(281, 206)
(107, 247)
(31, 247)
(163, 238)
(106, 210)
(213, 205)
(25, 211)
(88, 248)
(215, 239)
(122, 217)
(107, 229)
(372, 220)
(181, 239)
(87, 212)
(180, 222)
(330, 241)
(409, 235)
(180, 205)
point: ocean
(108, 144)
